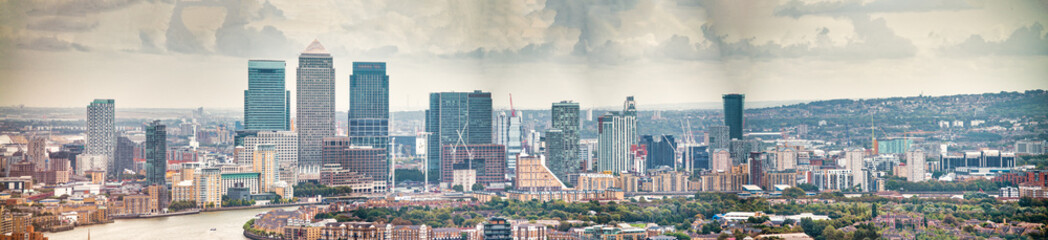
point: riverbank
(260, 206)
(228, 224)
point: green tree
(457, 188)
(793, 192)
(478, 187)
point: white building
(853, 159)
(915, 162)
(617, 131)
(286, 145)
(100, 135)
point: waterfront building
(315, 105)
(209, 184)
(156, 153)
(100, 134)
(286, 145)
(248, 180)
(265, 163)
(267, 104)
(365, 160)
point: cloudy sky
(63, 53)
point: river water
(227, 224)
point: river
(227, 224)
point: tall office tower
(755, 162)
(915, 163)
(286, 143)
(125, 157)
(369, 107)
(267, 105)
(785, 159)
(37, 152)
(100, 136)
(563, 140)
(719, 137)
(741, 149)
(315, 104)
(662, 151)
(510, 133)
(453, 117)
(364, 160)
(853, 162)
(265, 163)
(733, 116)
(156, 153)
(617, 131)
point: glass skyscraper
(156, 153)
(563, 140)
(661, 151)
(452, 115)
(510, 133)
(617, 131)
(267, 104)
(369, 107)
(733, 116)
(315, 105)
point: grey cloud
(148, 44)
(1026, 40)
(681, 47)
(531, 52)
(233, 38)
(237, 40)
(797, 8)
(874, 40)
(78, 7)
(52, 44)
(63, 24)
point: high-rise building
(562, 141)
(369, 107)
(699, 157)
(37, 152)
(853, 159)
(662, 151)
(125, 154)
(617, 131)
(286, 143)
(510, 133)
(456, 118)
(785, 159)
(733, 114)
(720, 160)
(534, 175)
(719, 137)
(267, 105)
(365, 160)
(265, 163)
(209, 184)
(741, 149)
(156, 153)
(100, 136)
(915, 162)
(315, 105)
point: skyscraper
(125, 154)
(617, 131)
(156, 153)
(369, 107)
(453, 116)
(853, 159)
(315, 104)
(510, 133)
(719, 137)
(661, 151)
(915, 162)
(267, 105)
(364, 160)
(286, 143)
(100, 136)
(733, 116)
(563, 140)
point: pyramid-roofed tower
(316, 48)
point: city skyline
(684, 52)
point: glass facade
(266, 102)
(315, 105)
(661, 150)
(451, 114)
(156, 153)
(563, 140)
(369, 106)
(733, 116)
